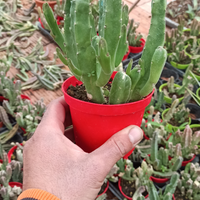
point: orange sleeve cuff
(36, 194)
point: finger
(116, 147)
(57, 116)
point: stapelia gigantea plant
(159, 159)
(140, 176)
(189, 183)
(9, 171)
(152, 191)
(133, 39)
(92, 59)
(185, 143)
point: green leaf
(195, 4)
(197, 18)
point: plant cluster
(27, 115)
(139, 176)
(133, 38)
(188, 11)
(178, 54)
(107, 52)
(185, 143)
(9, 172)
(177, 113)
(189, 182)
(159, 159)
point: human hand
(52, 162)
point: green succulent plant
(185, 143)
(189, 182)
(92, 59)
(159, 159)
(133, 38)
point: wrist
(37, 194)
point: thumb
(116, 147)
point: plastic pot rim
(179, 66)
(120, 188)
(168, 99)
(49, 2)
(91, 108)
(12, 184)
(189, 122)
(159, 180)
(11, 151)
(197, 92)
(184, 163)
(107, 186)
(195, 126)
(22, 96)
(133, 49)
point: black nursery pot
(125, 64)
(113, 187)
(134, 56)
(135, 59)
(167, 73)
(159, 83)
(12, 121)
(169, 66)
(194, 113)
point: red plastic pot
(137, 49)
(184, 163)
(24, 131)
(59, 18)
(104, 190)
(145, 137)
(2, 98)
(95, 123)
(11, 151)
(58, 21)
(159, 180)
(13, 184)
(126, 55)
(169, 136)
(25, 97)
(22, 96)
(41, 22)
(51, 3)
(120, 188)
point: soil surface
(175, 123)
(178, 195)
(180, 7)
(195, 129)
(79, 92)
(171, 94)
(185, 62)
(192, 101)
(196, 72)
(128, 188)
(103, 187)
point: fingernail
(135, 135)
